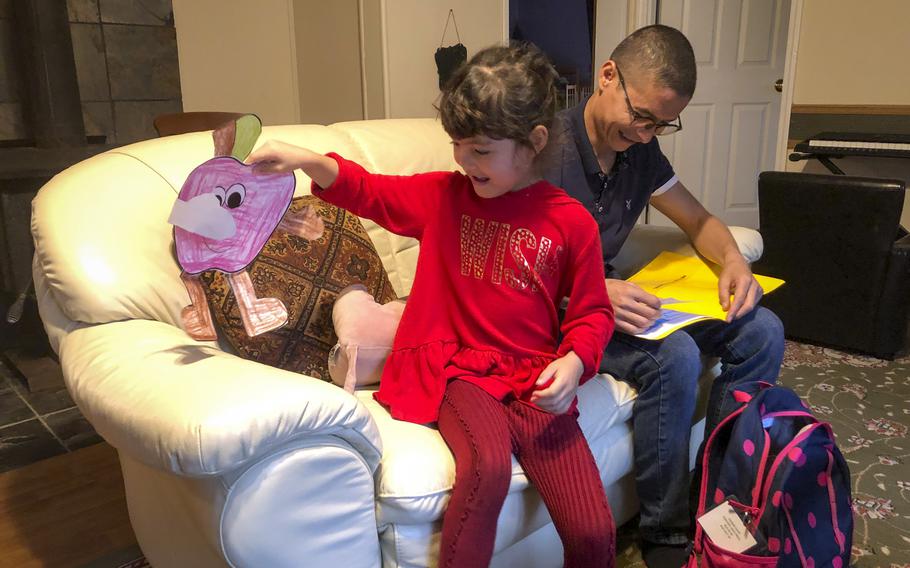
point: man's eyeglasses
(660, 128)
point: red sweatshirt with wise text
(491, 274)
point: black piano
(827, 145)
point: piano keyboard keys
(857, 145)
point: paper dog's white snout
(203, 215)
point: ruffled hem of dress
(414, 378)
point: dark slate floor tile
(44, 402)
(26, 443)
(12, 408)
(72, 428)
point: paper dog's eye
(235, 195)
(219, 193)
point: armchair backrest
(104, 248)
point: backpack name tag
(723, 526)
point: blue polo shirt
(615, 198)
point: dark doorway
(564, 30)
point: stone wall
(12, 126)
(126, 65)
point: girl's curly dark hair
(501, 93)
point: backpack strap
(706, 452)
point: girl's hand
(276, 157)
(560, 380)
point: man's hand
(558, 383)
(736, 279)
(634, 309)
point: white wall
(413, 31)
(238, 56)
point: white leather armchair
(230, 462)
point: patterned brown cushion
(306, 276)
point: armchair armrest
(647, 241)
(192, 409)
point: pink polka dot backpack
(774, 488)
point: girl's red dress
(491, 274)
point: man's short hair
(662, 52)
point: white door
(730, 127)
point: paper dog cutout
(223, 216)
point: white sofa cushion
(417, 471)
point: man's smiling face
(610, 122)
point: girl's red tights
(482, 433)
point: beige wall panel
(374, 92)
(328, 60)
(238, 56)
(853, 53)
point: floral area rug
(867, 401)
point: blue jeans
(665, 373)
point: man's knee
(681, 363)
(671, 365)
(762, 336)
(767, 326)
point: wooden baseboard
(897, 110)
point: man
(606, 155)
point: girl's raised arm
(279, 157)
(401, 204)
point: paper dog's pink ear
(223, 136)
(237, 137)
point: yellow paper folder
(687, 286)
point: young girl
(477, 348)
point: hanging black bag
(448, 59)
